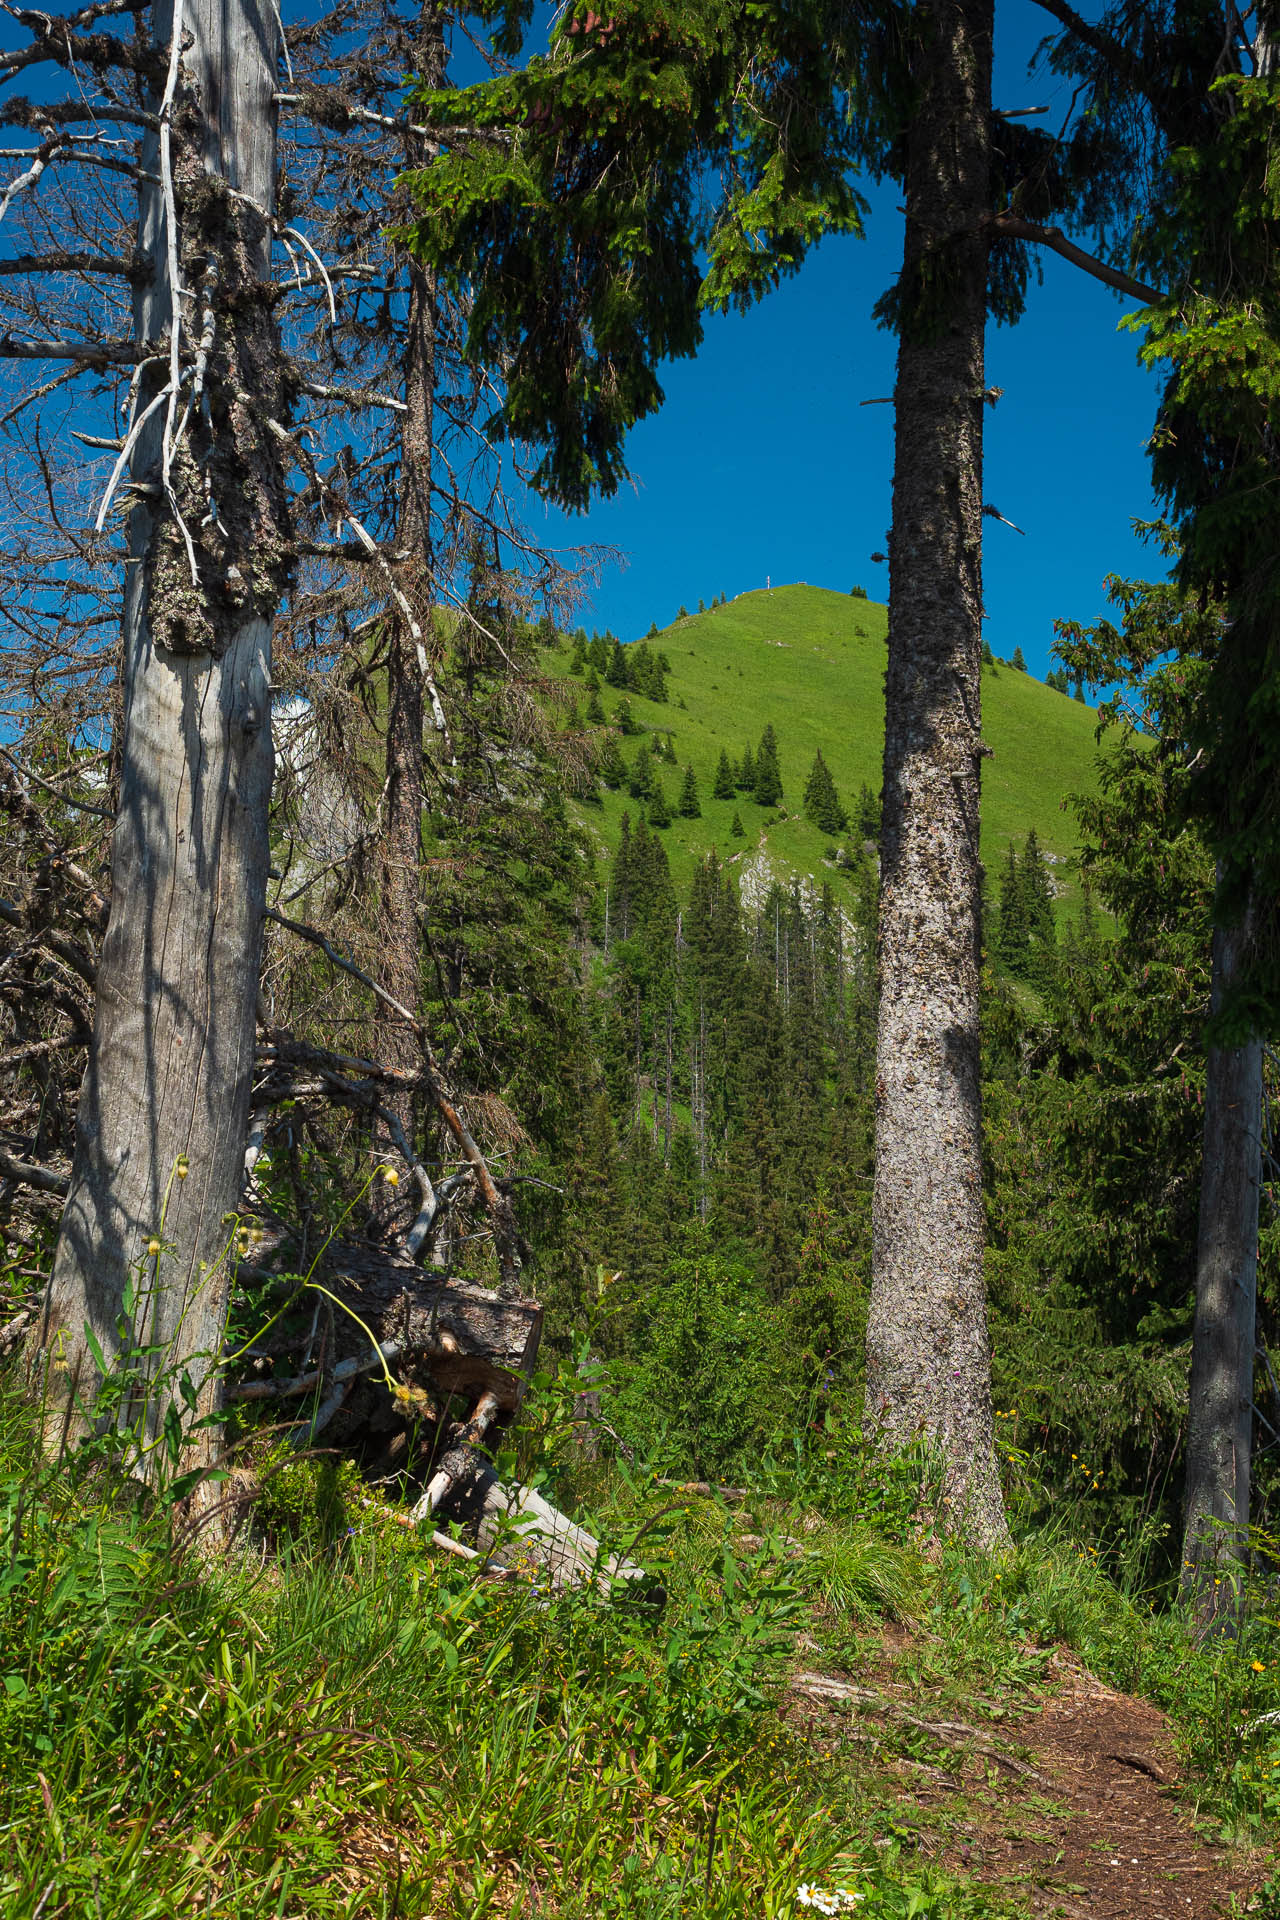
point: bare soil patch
(1073, 1809)
(1127, 1847)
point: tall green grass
(329, 1719)
(352, 1725)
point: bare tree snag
(209, 557)
(928, 1356)
(401, 842)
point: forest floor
(1070, 1808)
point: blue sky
(762, 465)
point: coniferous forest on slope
(638, 1278)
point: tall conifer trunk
(1220, 1423)
(928, 1357)
(168, 1079)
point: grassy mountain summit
(811, 663)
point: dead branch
(1016, 228)
(822, 1686)
(301, 1383)
(497, 1203)
(527, 1529)
(28, 1174)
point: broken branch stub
(527, 1530)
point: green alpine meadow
(811, 663)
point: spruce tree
(653, 630)
(578, 659)
(821, 802)
(598, 654)
(1038, 890)
(639, 664)
(1012, 941)
(640, 782)
(595, 710)
(616, 668)
(866, 814)
(736, 827)
(689, 808)
(768, 786)
(935, 96)
(624, 719)
(611, 765)
(745, 779)
(659, 810)
(622, 879)
(1017, 662)
(724, 787)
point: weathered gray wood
(528, 1530)
(400, 843)
(1220, 1422)
(169, 1069)
(928, 1357)
(468, 1340)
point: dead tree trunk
(928, 1359)
(1220, 1425)
(401, 846)
(163, 1111)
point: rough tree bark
(1220, 1422)
(401, 847)
(928, 1356)
(168, 1079)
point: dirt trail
(1072, 1809)
(1126, 1848)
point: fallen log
(466, 1339)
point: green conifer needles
(821, 801)
(1214, 462)
(572, 206)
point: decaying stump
(442, 1339)
(447, 1336)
